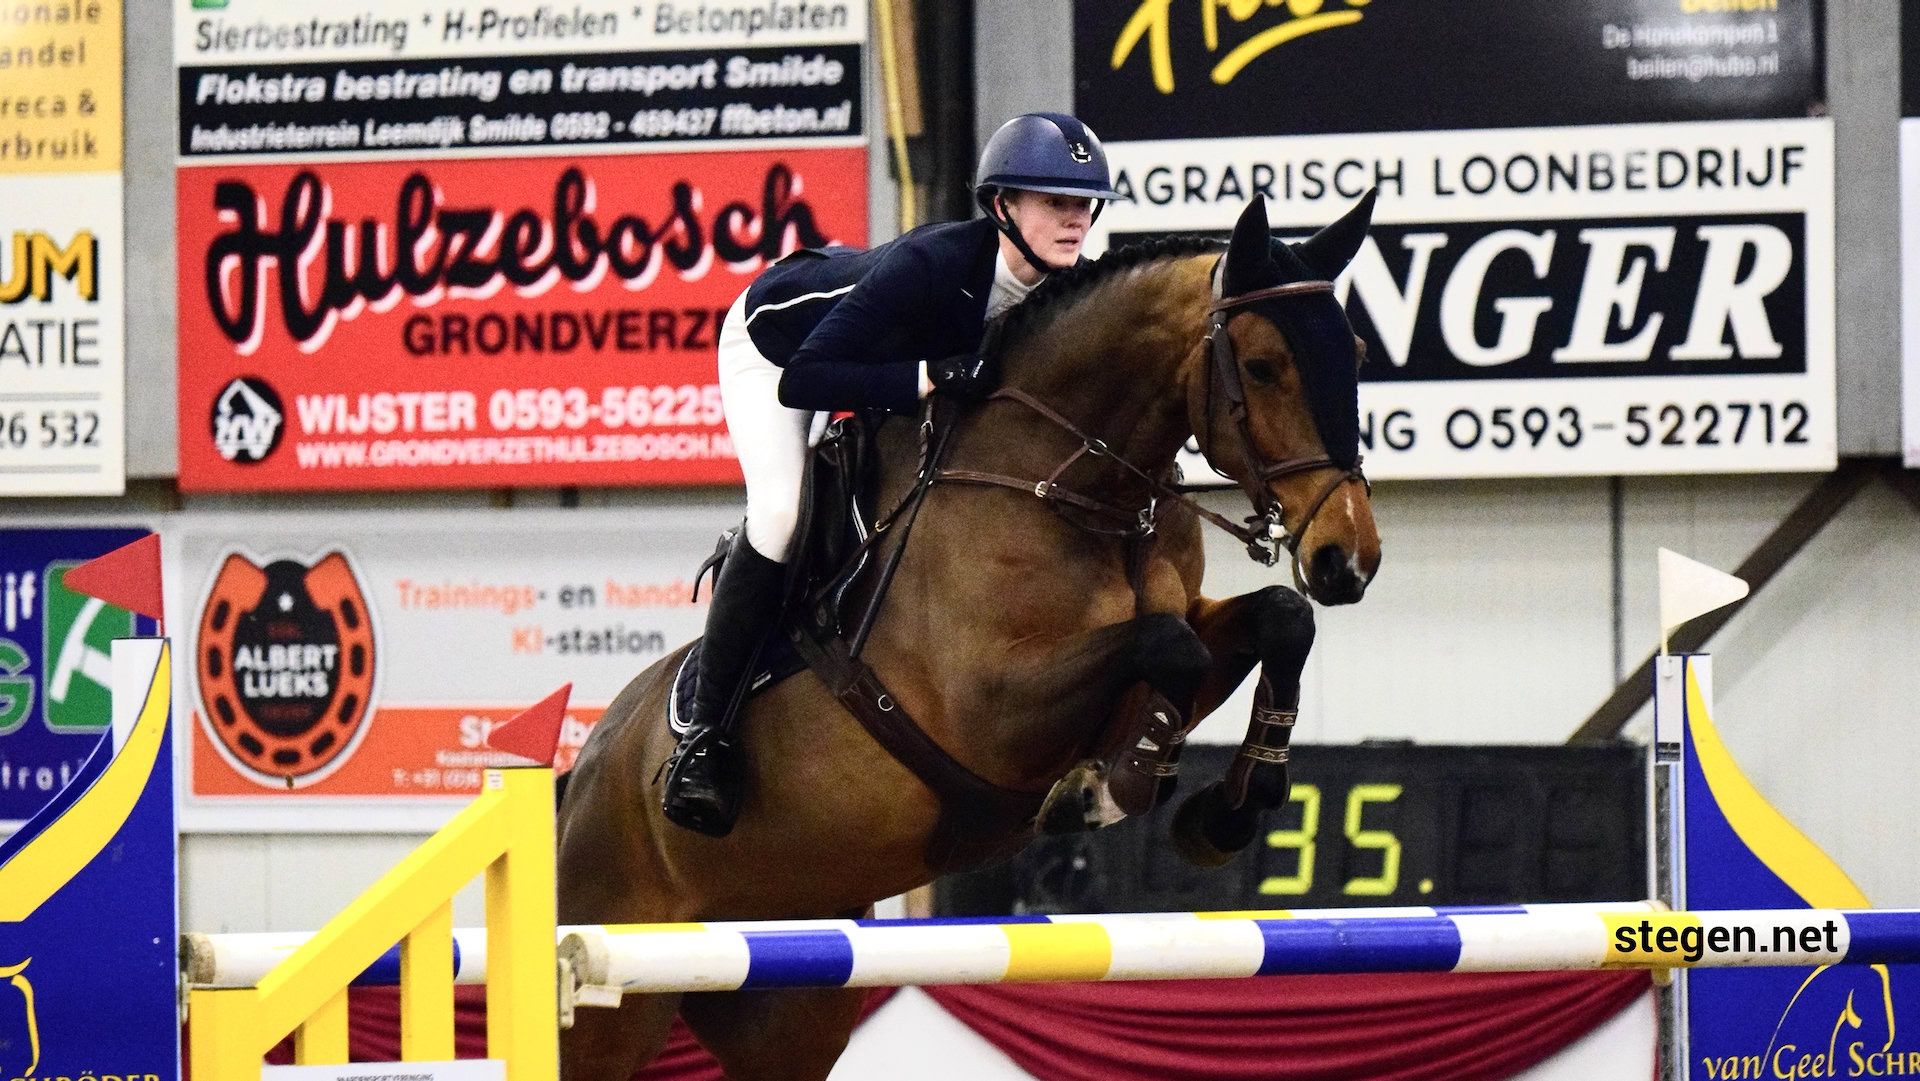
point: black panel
(1319, 66)
(1910, 57)
(1395, 824)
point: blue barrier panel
(88, 920)
(1805, 1021)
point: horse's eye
(1260, 370)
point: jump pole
(727, 957)
(240, 959)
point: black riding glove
(964, 377)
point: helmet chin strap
(1004, 222)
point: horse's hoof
(1207, 832)
(1067, 808)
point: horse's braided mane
(1057, 291)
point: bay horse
(1022, 619)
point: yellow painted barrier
(507, 833)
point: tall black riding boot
(705, 774)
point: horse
(1049, 591)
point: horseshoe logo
(285, 667)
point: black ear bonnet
(1314, 324)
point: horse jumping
(1049, 599)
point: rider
(842, 329)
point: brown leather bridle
(1224, 369)
(1264, 532)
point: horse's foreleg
(1273, 627)
(1047, 697)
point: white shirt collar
(1007, 289)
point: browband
(1292, 289)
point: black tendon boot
(705, 774)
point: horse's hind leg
(1274, 627)
(794, 1035)
(611, 1045)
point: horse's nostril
(1330, 564)
(1332, 577)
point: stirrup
(708, 804)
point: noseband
(1269, 517)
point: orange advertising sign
(347, 668)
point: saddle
(836, 553)
(835, 516)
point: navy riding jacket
(850, 327)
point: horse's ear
(1247, 256)
(1329, 251)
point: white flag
(1689, 588)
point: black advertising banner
(1317, 66)
(683, 96)
(1479, 346)
(1604, 237)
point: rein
(1139, 522)
(1264, 532)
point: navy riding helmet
(1045, 152)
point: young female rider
(842, 329)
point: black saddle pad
(777, 662)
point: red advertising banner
(464, 322)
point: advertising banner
(62, 290)
(1634, 277)
(55, 666)
(491, 245)
(348, 668)
(1154, 69)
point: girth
(979, 821)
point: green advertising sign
(79, 633)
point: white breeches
(769, 438)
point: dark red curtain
(1418, 1027)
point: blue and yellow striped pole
(879, 953)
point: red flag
(128, 577)
(534, 733)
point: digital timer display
(1367, 825)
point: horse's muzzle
(1332, 576)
